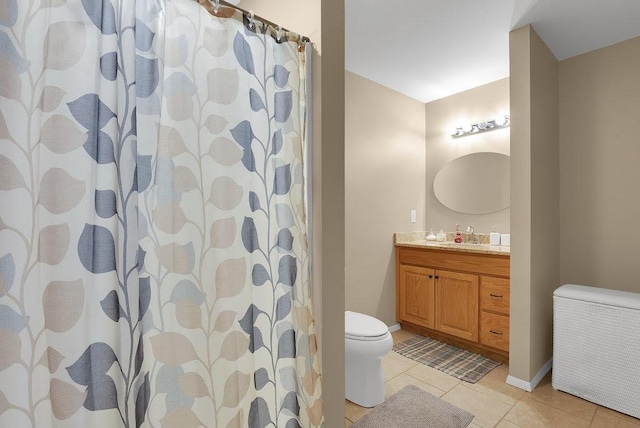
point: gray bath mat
(412, 407)
(455, 362)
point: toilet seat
(363, 327)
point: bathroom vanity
(455, 293)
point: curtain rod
(256, 17)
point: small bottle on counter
(494, 237)
(441, 237)
(431, 236)
(458, 235)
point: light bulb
(501, 120)
(467, 127)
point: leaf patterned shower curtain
(154, 268)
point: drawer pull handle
(497, 296)
(495, 332)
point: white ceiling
(430, 49)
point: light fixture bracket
(483, 126)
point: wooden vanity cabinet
(457, 297)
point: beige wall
(545, 199)
(575, 201)
(333, 198)
(600, 173)
(534, 201)
(520, 78)
(472, 106)
(575, 182)
(323, 22)
(384, 180)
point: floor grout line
(617, 414)
(533, 397)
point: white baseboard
(394, 327)
(530, 386)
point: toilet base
(364, 381)
(362, 388)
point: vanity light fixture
(484, 126)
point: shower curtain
(154, 268)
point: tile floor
(491, 400)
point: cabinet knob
(496, 296)
(430, 276)
(437, 277)
(498, 333)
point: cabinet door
(417, 295)
(457, 304)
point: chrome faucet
(470, 237)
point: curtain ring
(250, 18)
(278, 33)
(301, 42)
(216, 5)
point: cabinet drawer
(494, 331)
(494, 295)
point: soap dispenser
(458, 235)
(494, 237)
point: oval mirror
(474, 184)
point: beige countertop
(416, 240)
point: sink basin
(454, 244)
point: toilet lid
(363, 327)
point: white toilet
(366, 341)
